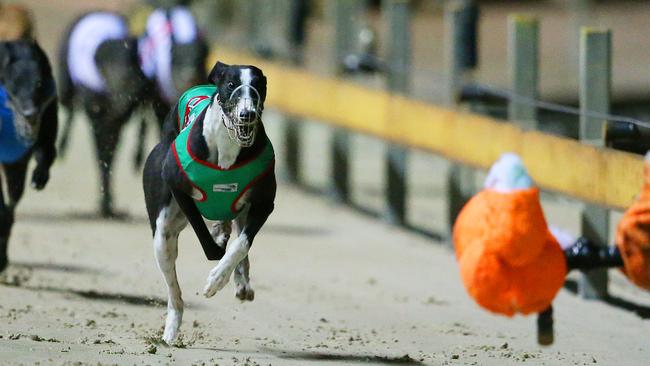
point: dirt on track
(332, 288)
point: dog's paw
(40, 178)
(217, 279)
(244, 292)
(172, 326)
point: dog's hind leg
(220, 232)
(243, 289)
(45, 150)
(106, 134)
(169, 224)
(65, 134)
(66, 92)
(138, 157)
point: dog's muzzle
(242, 114)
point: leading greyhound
(215, 162)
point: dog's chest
(226, 150)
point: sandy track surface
(332, 287)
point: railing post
(398, 23)
(460, 179)
(523, 57)
(254, 28)
(260, 27)
(292, 11)
(345, 14)
(595, 86)
(460, 22)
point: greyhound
(28, 126)
(113, 75)
(214, 161)
(99, 69)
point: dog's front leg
(243, 289)
(45, 149)
(166, 251)
(253, 219)
(220, 275)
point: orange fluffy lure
(633, 235)
(509, 261)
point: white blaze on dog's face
(246, 105)
(241, 95)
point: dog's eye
(231, 85)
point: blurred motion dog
(111, 75)
(28, 126)
(15, 22)
(214, 161)
(99, 71)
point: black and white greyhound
(28, 126)
(111, 75)
(225, 135)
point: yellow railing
(603, 176)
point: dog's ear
(217, 72)
(263, 91)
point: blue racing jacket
(12, 146)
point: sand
(333, 287)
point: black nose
(247, 115)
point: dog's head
(26, 76)
(241, 91)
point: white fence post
(523, 56)
(398, 21)
(595, 86)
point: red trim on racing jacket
(178, 163)
(251, 185)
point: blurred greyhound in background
(112, 75)
(100, 72)
(28, 126)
